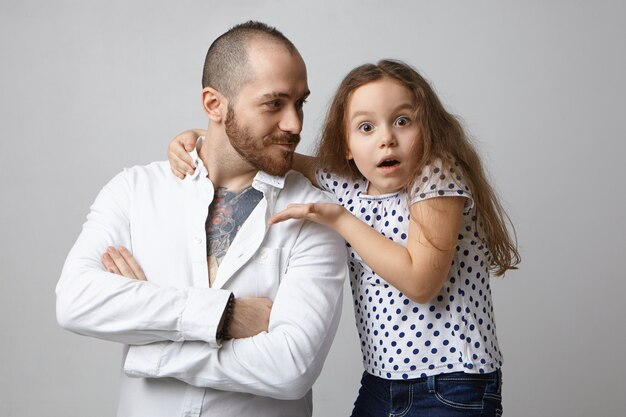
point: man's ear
(214, 104)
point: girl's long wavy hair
(441, 136)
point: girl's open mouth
(388, 163)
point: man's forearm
(93, 302)
(280, 364)
(283, 362)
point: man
(178, 360)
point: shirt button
(197, 239)
(263, 254)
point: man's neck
(225, 166)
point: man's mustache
(286, 139)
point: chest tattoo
(227, 213)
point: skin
(250, 316)
(262, 131)
(379, 126)
(122, 262)
(383, 139)
(268, 109)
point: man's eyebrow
(278, 94)
(275, 95)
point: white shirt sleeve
(93, 302)
(282, 363)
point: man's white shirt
(173, 364)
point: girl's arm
(182, 164)
(306, 165)
(419, 269)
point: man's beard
(257, 151)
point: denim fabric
(456, 394)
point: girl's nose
(387, 138)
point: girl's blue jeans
(456, 394)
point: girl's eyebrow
(403, 106)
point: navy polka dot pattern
(401, 339)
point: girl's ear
(214, 104)
(348, 155)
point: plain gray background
(89, 87)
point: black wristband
(227, 316)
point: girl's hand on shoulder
(327, 214)
(178, 150)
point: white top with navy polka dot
(401, 339)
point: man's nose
(291, 121)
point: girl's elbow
(421, 297)
(423, 294)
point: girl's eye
(366, 127)
(402, 121)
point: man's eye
(301, 103)
(275, 104)
(366, 127)
(402, 121)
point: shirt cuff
(201, 317)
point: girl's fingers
(181, 162)
(293, 211)
(180, 166)
(180, 175)
(189, 142)
(278, 217)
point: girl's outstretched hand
(328, 214)
(178, 150)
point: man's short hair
(227, 67)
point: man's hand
(250, 317)
(122, 262)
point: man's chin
(277, 168)
(277, 171)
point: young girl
(424, 229)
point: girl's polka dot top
(401, 339)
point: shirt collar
(271, 180)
